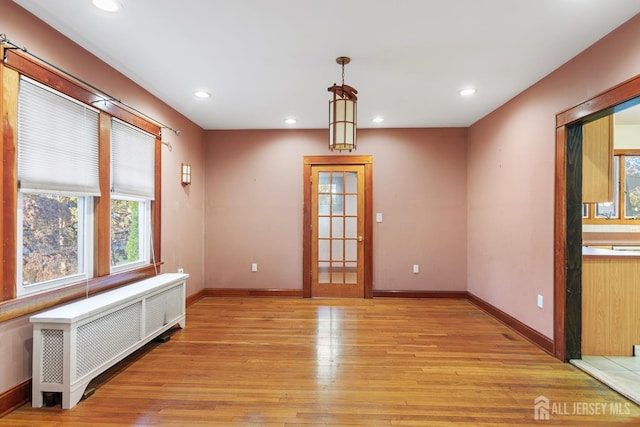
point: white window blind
(57, 142)
(132, 161)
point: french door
(337, 250)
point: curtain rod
(107, 97)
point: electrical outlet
(254, 267)
(180, 270)
(540, 304)
(416, 268)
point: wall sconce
(185, 174)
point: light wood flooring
(341, 362)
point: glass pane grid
(337, 227)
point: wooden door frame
(567, 255)
(367, 162)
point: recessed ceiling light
(107, 5)
(377, 119)
(290, 121)
(201, 94)
(467, 92)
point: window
(625, 205)
(132, 189)
(56, 149)
(632, 187)
(611, 209)
(57, 177)
(55, 241)
(130, 238)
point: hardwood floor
(338, 362)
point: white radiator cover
(74, 343)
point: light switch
(379, 217)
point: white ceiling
(264, 61)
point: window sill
(624, 237)
(616, 221)
(28, 304)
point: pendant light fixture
(342, 114)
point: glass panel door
(337, 231)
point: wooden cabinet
(597, 160)
(610, 298)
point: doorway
(337, 227)
(568, 213)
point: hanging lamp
(342, 113)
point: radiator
(75, 343)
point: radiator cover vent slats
(106, 337)
(162, 307)
(53, 357)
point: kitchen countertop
(587, 251)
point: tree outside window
(50, 237)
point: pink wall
(511, 179)
(476, 216)
(182, 210)
(255, 195)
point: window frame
(620, 193)
(144, 235)
(17, 63)
(85, 242)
